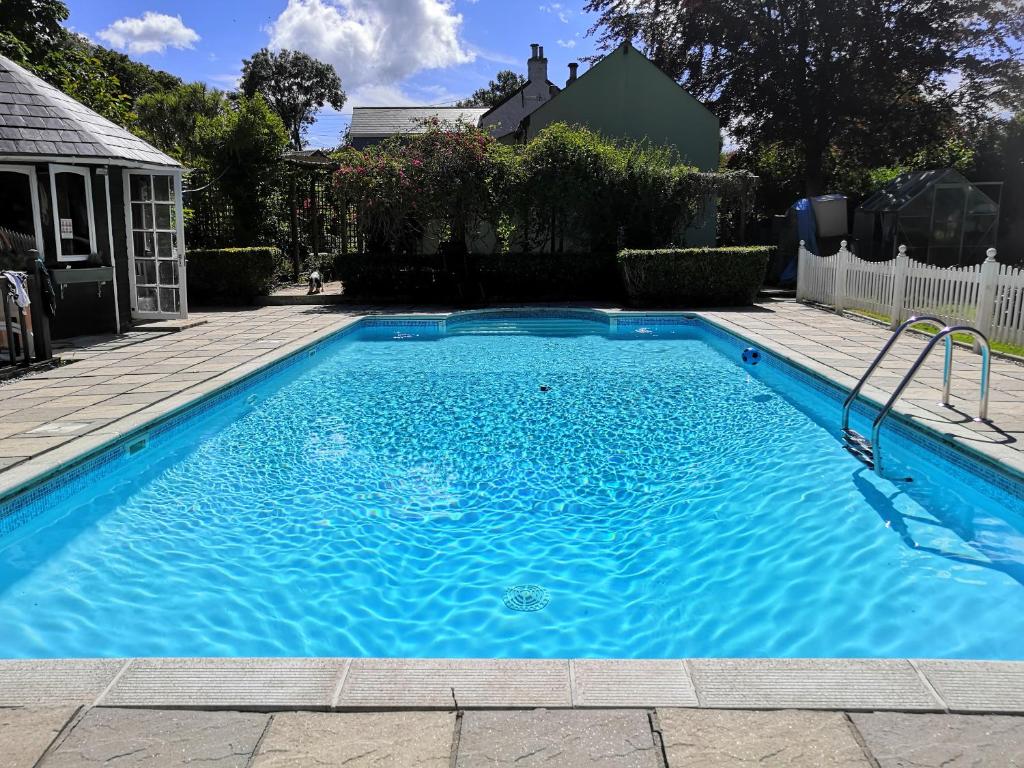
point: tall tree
(169, 119)
(295, 85)
(500, 88)
(813, 72)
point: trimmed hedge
(486, 277)
(232, 275)
(548, 276)
(692, 277)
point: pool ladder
(870, 451)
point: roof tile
(48, 122)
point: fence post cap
(802, 243)
(903, 250)
(990, 254)
(842, 244)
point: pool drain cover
(526, 597)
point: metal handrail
(945, 334)
(885, 350)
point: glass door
(156, 244)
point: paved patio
(69, 737)
(115, 384)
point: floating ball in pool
(751, 356)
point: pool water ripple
(380, 500)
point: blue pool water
(382, 497)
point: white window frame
(84, 173)
(33, 187)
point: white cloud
(152, 33)
(567, 43)
(373, 42)
(558, 10)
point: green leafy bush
(232, 275)
(694, 276)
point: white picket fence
(989, 296)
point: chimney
(537, 66)
(572, 72)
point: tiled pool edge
(349, 685)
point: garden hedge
(232, 275)
(480, 277)
(691, 277)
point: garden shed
(943, 218)
(100, 205)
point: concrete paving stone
(977, 686)
(563, 738)
(631, 683)
(900, 740)
(357, 740)
(715, 738)
(853, 684)
(386, 683)
(55, 681)
(153, 738)
(26, 733)
(260, 684)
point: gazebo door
(156, 244)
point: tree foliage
(169, 118)
(500, 88)
(240, 147)
(568, 189)
(31, 28)
(295, 85)
(816, 74)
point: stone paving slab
(854, 684)
(357, 740)
(563, 738)
(55, 681)
(26, 733)
(710, 738)
(631, 683)
(137, 738)
(899, 740)
(261, 684)
(411, 683)
(977, 686)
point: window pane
(16, 207)
(145, 271)
(142, 216)
(165, 245)
(163, 187)
(147, 300)
(168, 299)
(168, 273)
(163, 216)
(72, 214)
(141, 188)
(143, 245)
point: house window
(73, 221)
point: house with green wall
(623, 96)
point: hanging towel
(17, 281)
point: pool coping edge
(358, 684)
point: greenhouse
(941, 217)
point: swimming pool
(510, 485)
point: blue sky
(388, 52)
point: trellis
(302, 214)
